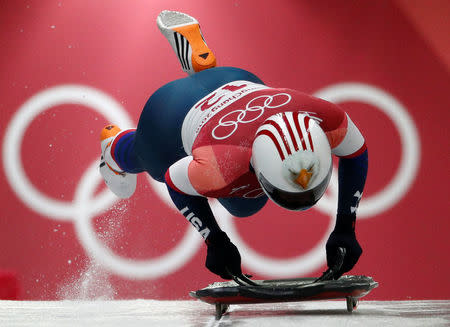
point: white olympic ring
(409, 162)
(14, 171)
(139, 269)
(243, 113)
(83, 208)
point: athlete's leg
(242, 207)
(117, 178)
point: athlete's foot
(119, 182)
(184, 35)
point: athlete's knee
(242, 213)
(158, 178)
(242, 208)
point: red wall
(69, 67)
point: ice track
(192, 313)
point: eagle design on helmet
(291, 156)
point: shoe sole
(185, 36)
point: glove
(343, 236)
(222, 256)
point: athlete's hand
(343, 236)
(223, 256)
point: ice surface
(194, 313)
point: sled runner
(222, 294)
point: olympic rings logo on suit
(86, 205)
(251, 107)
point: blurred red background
(399, 47)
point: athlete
(222, 133)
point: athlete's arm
(352, 172)
(349, 145)
(191, 204)
(197, 211)
(222, 255)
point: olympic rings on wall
(85, 205)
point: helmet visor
(295, 200)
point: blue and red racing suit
(196, 135)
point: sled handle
(242, 279)
(245, 281)
(330, 272)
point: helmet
(291, 157)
